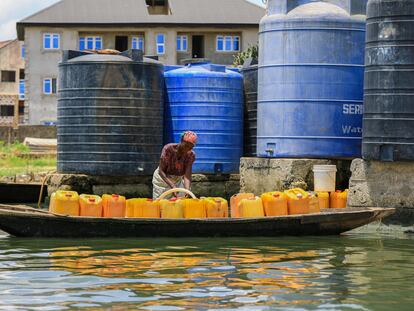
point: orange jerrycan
(275, 204)
(323, 200)
(114, 206)
(193, 208)
(65, 203)
(339, 199)
(150, 209)
(216, 207)
(90, 205)
(298, 201)
(235, 200)
(314, 203)
(171, 209)
(251, 208)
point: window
(160, 43)
(49, 86)
(182, 43)
(21, 90)
(23, 51)
(6, 111)
(228, 44)
(51, 41)
(138, 43)
(8, 76)
(90, 43)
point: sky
(12, 11)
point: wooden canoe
(24, 221)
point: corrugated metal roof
(208, 12)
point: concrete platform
(259, 175)
(384, 184)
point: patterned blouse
(174, 165)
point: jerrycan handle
(171, 191)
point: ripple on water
(336, 273)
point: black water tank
(388, 131)
(110, 114)
(249, 73)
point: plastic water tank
(110, 114)
(389, 81)
(249, 73)
(310, 88)
(207, 99)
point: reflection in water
(185, 274)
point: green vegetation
(251, 52)
(15, 159)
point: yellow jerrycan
(216, 207)
(339, 199)
(171, 209)
(323, 200)
(275, 204)
(114, 206)
(65, 203)
(298, 201)
(235, 201)
(314, 203)
(90, 205)
(193, 208)
(251, 208)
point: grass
(15, 160)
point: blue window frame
(220, 43)
(49, 86)
(138, 43)
(90, 43)
(23, 51)
(227, 43)
(21, 90)
(51, 41)
(160, 44)
(182, 43)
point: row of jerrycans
(291, 202)
(70, 203)
(178, 208)
(115, 206)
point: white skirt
(160, 186)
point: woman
(176, 166)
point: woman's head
(188, 141)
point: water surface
(364, 270)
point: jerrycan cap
(68, 195)
(150, 200)
(276, 195)
(174, 199)
(92, 200)
(338, 191)
(299, 196)
(115, 196)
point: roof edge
(22, 25)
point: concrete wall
(260, 175)
(42, 63)
(9, 135)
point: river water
(369, 269)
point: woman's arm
(164, 176)
(187, 177)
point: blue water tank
(311, 72)
(207, 99)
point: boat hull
(27, 222)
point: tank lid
(132, 55)
(318, 9)
(209, 66)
